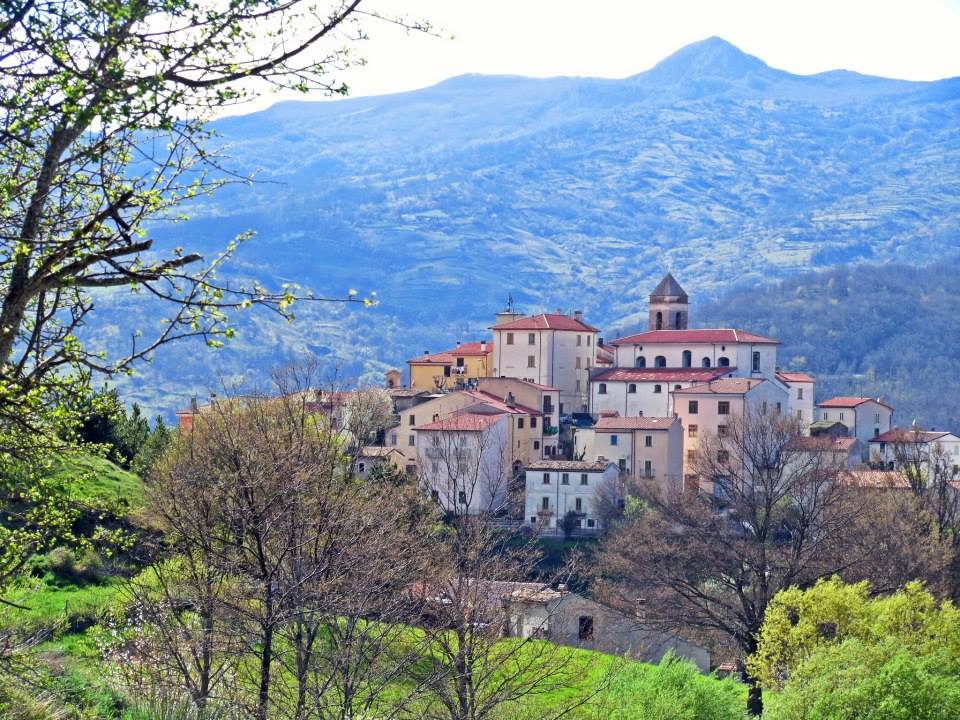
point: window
(361, 467)
(678, 321)
(565, 479)
(686, 359)
(876, 418)
(657, 388)
(519, 423)
(632, 388)
(756, 361)
(677, 387)
(613, 439)
(647, 468)
(602, 388)
(622, 463)
(648, 441)
(779, 408)
(446, 371)
(692, 430)
(579, 504)
(693, 407)
(585, 623)
(460, 362)
(393, 439)
(578, 362)
(691, 456)
(640, 362)
(434, 467)
(826, 415)
(659, 361)
(412, 420)
(412, 440)
(577, 389)
(531, 361)
(763, 407)
(722, 430)
(799, 414)
(659, 324)
(591, 522)
(723, 456)
(509, 338)
(799, 393)
(533, 519)
(841, 415)
(588, 341)
(546, 478)
(723, 361)
(462, 497)
(876, 433)
(723, 407)
(705, 362)
(579, 339)
(583, 479)
(536, 444)
(531, 338)
(533, 423)
(545, 503)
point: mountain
(565, 192)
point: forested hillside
(891, 330)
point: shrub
(62, 563)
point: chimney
(578, 314)
(641, 413)
(509, 400)
(194, 407)
(426, 352)
(458, 344)
(483, 346)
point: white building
(548, 349)
(632, 392)
(556, 487)
(897, 448)
(865, 418)
(648, 450)
(801, 388)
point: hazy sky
(911, 39)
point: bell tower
(668, 306)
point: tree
(103, 108)
(710, 563)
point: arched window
(659, 320)
(678, 321)
(705, 362)
(640, 362)
(723, 361)
(687, 358)
(660, 361)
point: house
(800, 387)
(556, 487)
(843, 453)
(550, 349)
(464, 461)
(828, 428)
(370, 456)
(865, 418)
(710, 409)
(632, 392)
(898, 448)
(568, 618)
(532, 395)
(458, 367)
(646, 450)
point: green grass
(52, 606)
(97, 481)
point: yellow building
(451, 369)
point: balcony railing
(550, 429)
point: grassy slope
(97, 481)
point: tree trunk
(754, 698)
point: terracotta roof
(712, 336)
(573, 465)
(498, 403)
(635, 423)
(668, 287)
(538, 386)
(467, 349)
(464, 422)
(723, 386)
(378, 451)
(788, 377)
(849, 402)
(902, 435)
(874, 479)
(547, 321)
(823, 444)
(662, 374)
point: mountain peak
(712, 57)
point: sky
(907, 39)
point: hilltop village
(546, 425)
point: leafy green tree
(387, 473)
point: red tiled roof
(463, 422)
(467, 349)
(547, 321)
(901, 435)
(823, 444)
(788, 377)
(576, 465)
(635, 423)
(848, 402)
(697, 375)
(498, 403)
(723, 386)
(712, 336)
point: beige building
(710, 409)
(556, 487)
(372, 455)
(456, 368)
(548, 349)
(647, 450)
(532, 395)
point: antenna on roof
(509, 302)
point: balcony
(550, 430)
